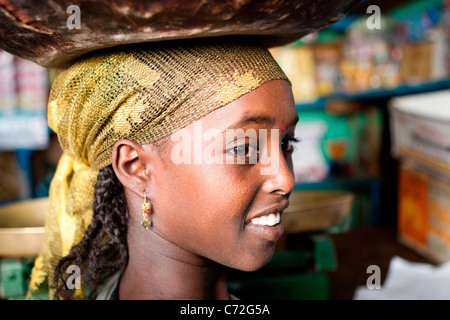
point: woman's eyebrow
(293, 122)
(261, 119)
(258, 119)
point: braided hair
(103, 249)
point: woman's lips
(268, 226)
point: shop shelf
(350, 183)
(404, 89)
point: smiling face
(228, 210)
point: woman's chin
(255, 262)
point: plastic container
(311, 211)
(420, 126)
(22, 228)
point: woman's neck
(163, 271)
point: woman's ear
(131, 165)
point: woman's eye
(287, 145)
(246, 153)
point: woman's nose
(279, 176)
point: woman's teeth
(267, 220)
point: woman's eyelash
(287, 145)
(294, 140)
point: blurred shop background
(372, 169)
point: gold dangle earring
(145, 213)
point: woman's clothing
(110, 289)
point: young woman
(137, 222)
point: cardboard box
(420, 126)
(299, 65)
(417, 62)
(424, 212)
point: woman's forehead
(269, 105)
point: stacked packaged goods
(23, 122)
(420, 134)
(23, 104)
(7, 82)
(408, 47)
(32, 87)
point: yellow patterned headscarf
(142, 93)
